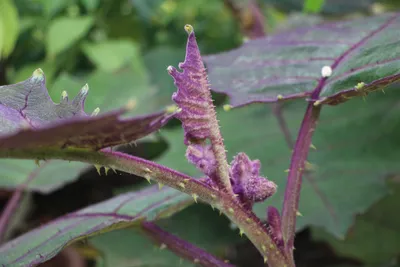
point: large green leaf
(64, 32)
(349, 164)
(124, 210)
(289, 65)
(375, 236)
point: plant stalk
(246, 220)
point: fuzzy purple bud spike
(198, 116)
(193, 95)
(202, 157)
(247, 182)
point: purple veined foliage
(288, 65)
(30, 119)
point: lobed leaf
(29, 119)
(350, 163)
(288, 65)
(122, 211)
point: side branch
(246, 220)
(293, 187)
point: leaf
(130, 247)
(63, 32)
(90, 5)
(331, 7)
(288, 65)
(31, 120)
(111, 55)
(9, 27)
(122, 211)
(50, 176)
(346, 170)
(208, 230)
(313, 6)
(375, 236)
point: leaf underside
(288, 65)
(30, 119)
(350, 162)
(122, 211)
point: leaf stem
(181, 247)
(245, 219)
(293, 186)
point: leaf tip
(38, 75)
(189, 28)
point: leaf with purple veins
(30, 120)
(288, 65)
(119, 212)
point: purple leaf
(30, 119)
(122, 211)
(288, 65)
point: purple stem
(181, 247)
(13, 203)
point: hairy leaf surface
(350, 162)
(288, 65)
(122, 211)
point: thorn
(241, 232)
(64, 95)
(359, 86)
(265, 259)
(299, 214)
(287, 170)
(38, 75)
(37, 162)
(212, 207)
(196, 260)
(264, 248)
(383, 91)
(226, 261)
(313, 147)
(160, 186)
(213, 196)
(163, 246)
(147, 170)
(231, 210)
(182, 185)
(147, 178)
(106, 169)
(85, 89)
(280, 97)
(248, 220)
(95, 111)
(98, 168)
(258, 232)
(220, 213)
(186, 180)
(195, 196)
(227, 107)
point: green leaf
(375, 237)
(349, 164)
(289, 65)
(122, 211)
(208, 230)
(130, 247)
(112, 55)
(9, 27)
(313, 6)
(64, 32)
(51, 175)
(90, 4)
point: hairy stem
(181, 247)
(245, 219)
(293, 186)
